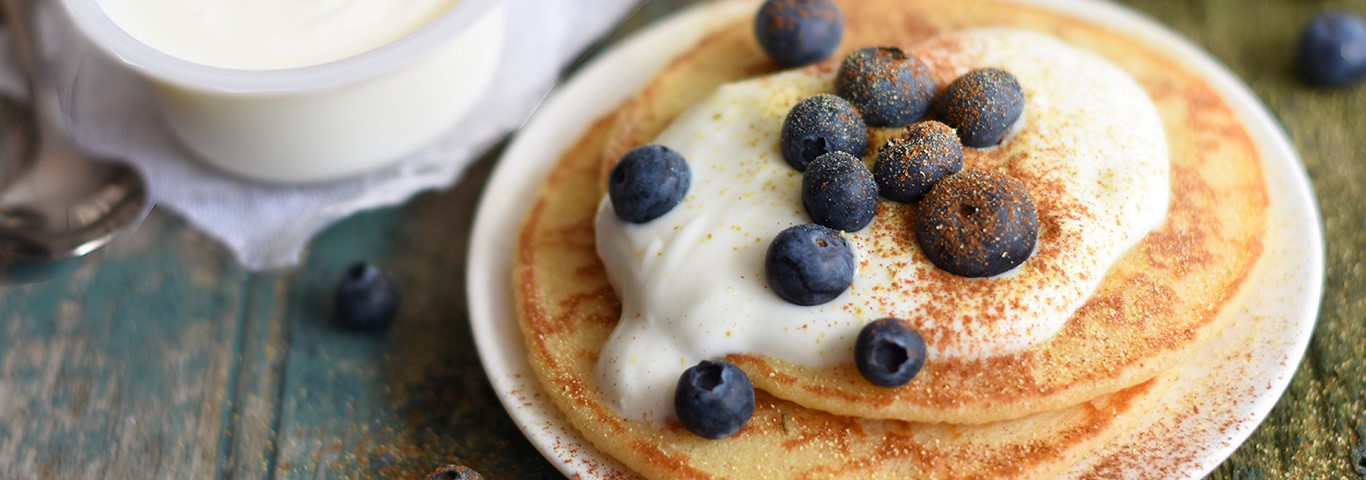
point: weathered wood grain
(119, 369)
(248, 447)
(360, 405)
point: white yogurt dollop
(270, 34)
(1091, 150)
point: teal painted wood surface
(161, 358)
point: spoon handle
(42, 96)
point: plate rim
(490, 256)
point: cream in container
(303, 91)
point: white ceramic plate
(1222, 394)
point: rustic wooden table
(160, 357)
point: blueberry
(367, 298)
(1332, 49)
(799, 32)
(889, 87)
(977, 224)
(981, 105)
(819, 125)
(454, 472)
(839, 192)
(648, 182)
(907, 167)
(809, 264)
(714, 399)
(889, 352)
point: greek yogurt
(270, 34)
(1091, 150)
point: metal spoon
(55, 202)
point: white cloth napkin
(109, 112)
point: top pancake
(567, 311)
(1159, 303)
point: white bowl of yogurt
(306, 90)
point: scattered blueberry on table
(366, 298)
(909, 166)
(799, 32)
(454, 472)
(819, 125)
(1332, 49)
(714, 399)
(982, 105)
(977, 224)
(648, 182)
(889, 352)
(809, 264)
(890, 88)
(839, 192)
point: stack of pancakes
(1025, 414)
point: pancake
(1023, 415)
(568, 310)
(1159, 303)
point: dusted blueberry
(907, 167)
(714, 399)
(799, 32)
(648, 182)
(839, 192)
(977, 224)
(809, 264)
(1332, 49)
(819, 125)
(367, 299)
(889, 352)
(981, 105)
(889, 87)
